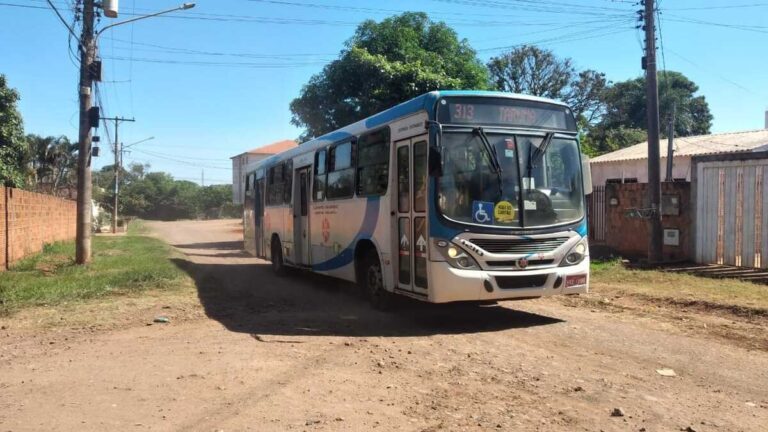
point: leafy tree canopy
(625, 104)
(624, 122)
(51, 163)
(539, 72)
(13, 149)
(384, 64)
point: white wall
(638, 168)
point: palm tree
(52, 163)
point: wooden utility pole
(118, 149)
(87, 55)
(652, 109)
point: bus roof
(425, 102)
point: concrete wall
(30, 220)
(628, 235)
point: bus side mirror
(586, 174)
(435, 162)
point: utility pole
(202, 177)
(118, 149)
(670, 143)
(652, 109)
(87, 55)
(89, 71)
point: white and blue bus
(451, 196)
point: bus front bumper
(448, 284)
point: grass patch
(120, 265)
(611, 277)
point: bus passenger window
(288, 181)
(341, 172)
(320, 173)
(373, 163)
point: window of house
(341, 171)
(373, 163)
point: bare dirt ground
(248, 351)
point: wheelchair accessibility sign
(482, 212)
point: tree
(625, 122)
(12, 142)
(535, 71)
(625, 104)
(382, 65)
(52, 163)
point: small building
(713, 212)
(244, 162)
(630, 164)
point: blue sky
(217, 80)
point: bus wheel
(277, 258)
(373, 281)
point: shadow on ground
(249, 298)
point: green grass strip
(121, 264)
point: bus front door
(301, 237)
(411, 224)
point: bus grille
(516, 282)
(519, 246)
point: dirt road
(261, 353)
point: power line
(196, 165)
(741, 6)
(63, 21)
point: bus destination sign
(505, 112)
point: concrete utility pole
(118, 149)
(671, 143)
(652, 109)
(88, 42)
(84, 187)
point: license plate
(575, 280)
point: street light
(184, 6)
(139, 142)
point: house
(630, 164)
(712, 213)
(244, 162)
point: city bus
(451, 196)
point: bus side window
(275, 184)
(341, 171)
(287, 181)
(373, 163)
(320, 175)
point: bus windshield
(539, 173)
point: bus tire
(373, 283)
(278, 267)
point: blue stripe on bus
(365, 231)
(582, 228)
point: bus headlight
(455, 256)
(576, 254)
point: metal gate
(731, 218)
(596, 214)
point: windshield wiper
(493, 158)
(536, 155)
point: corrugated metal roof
(730, 142)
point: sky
(214, 81)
